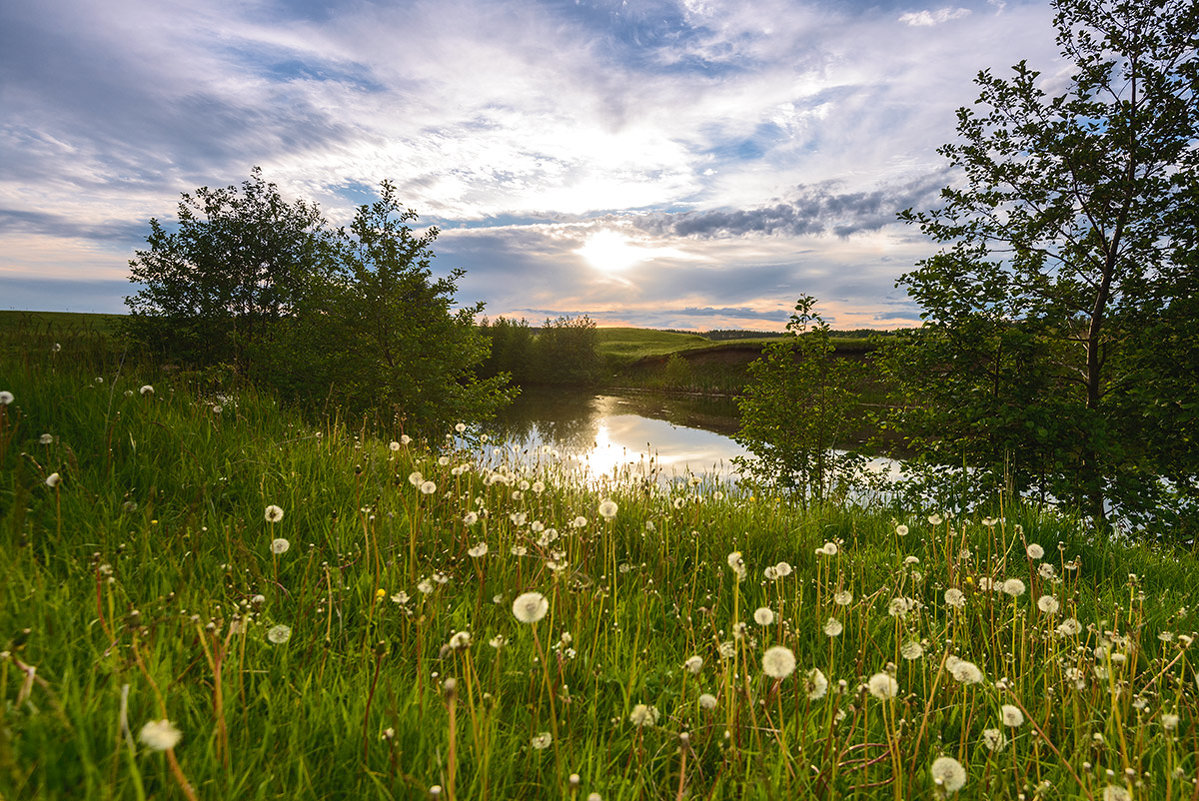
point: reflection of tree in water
(569, 421)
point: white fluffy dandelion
(607, 509)
(160, 735)
(948, 774)
(644, 715)
(279, 634)
(994, 740)
(707, 701)
(815, 684)
(763, 616)
(6, 397)
(428, 488)
(955, 598)
(542, 741)
(478, 550)
(53, 480)
(778, 662)
(279, 546)
(833, 627)
(530, 607)
(883, 686)
(1011, 715)
(1048, 604)
(273, 514)
(963, 671)
(146, 390)
(1013, 587)
(1116, 792)
(694, 664)
(1034, 551)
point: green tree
(382, 334)
(797, 406)
(238, 260)
(1060, 257)
(566, 351)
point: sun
(611, 252)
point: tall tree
(237, 260)
(1062, 253)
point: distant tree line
(563, 351)
(248, 286)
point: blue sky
(684, 163)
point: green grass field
(319, 612)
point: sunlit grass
(392, 649)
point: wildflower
(470, 518)
(530, 607)
(428, 488)
(694, 664)
(400, 597)
(279, 545)
(828, 549)
(1069, 627)
(833, 627)
(899, 607)
(273, 514)
(1013, 587)
(643, 715)
(6, 397)
(901, 530)
(393, 446)
(815, 684)
(1046, 571)
(1115, 792)
(425, 586)
(843, 598)
(763, 616)
(955, 598)
(1169, 721)
(948, 774)
(990, 522)
(994, 739)
(478, 550)
(460, 427)
(911, 650)
(936, 519)
(460, 641)
(771, 573)
(1034, 551)
(1012, 716)
(53, 480)
(607, 509)
(542, 741)
(160, 735)
(579, 522)
(778, 662)
(707, 701)
(497, 642)
(783, 569)
(279, 634)
(883, 686)
(1047, 604)
(737, 564)
(963, 671)
(146, 390)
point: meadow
(204, 595)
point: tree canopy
(1060, 309)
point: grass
(144, 586)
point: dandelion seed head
(1169, 721)
(1048, 604)
(883, 686)
(159, 735)
(607, 509)
(279, 634)
(955, 598)
(146, 390)
(694, 664)
(1116, 792)
(428, 488)
(707, 701)
(53, 480)
(783, 569)
(1034, 551)
(478, 550)
(911, 650)
(843, 598)
(763, 616)
(833, 627)
(778, 662)
(936, 519)
(815, 684)
(901, 530)
(530, 607)
(949, 774)
(1013, 587)
(273, 514)
(279, 545)
(541, 741)
(1011, 715)
(6, 397)
(963, 671)
(643, 715)
(994, 739)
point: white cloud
(928, 18)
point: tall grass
(376, 654)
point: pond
(597, 437)
(621, 437)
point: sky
(691, 164)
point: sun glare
(611, 252)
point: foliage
(382, 335)
(797, 406)
(511, 350)
(566, 352)
(237, 261)
(1062, 274)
